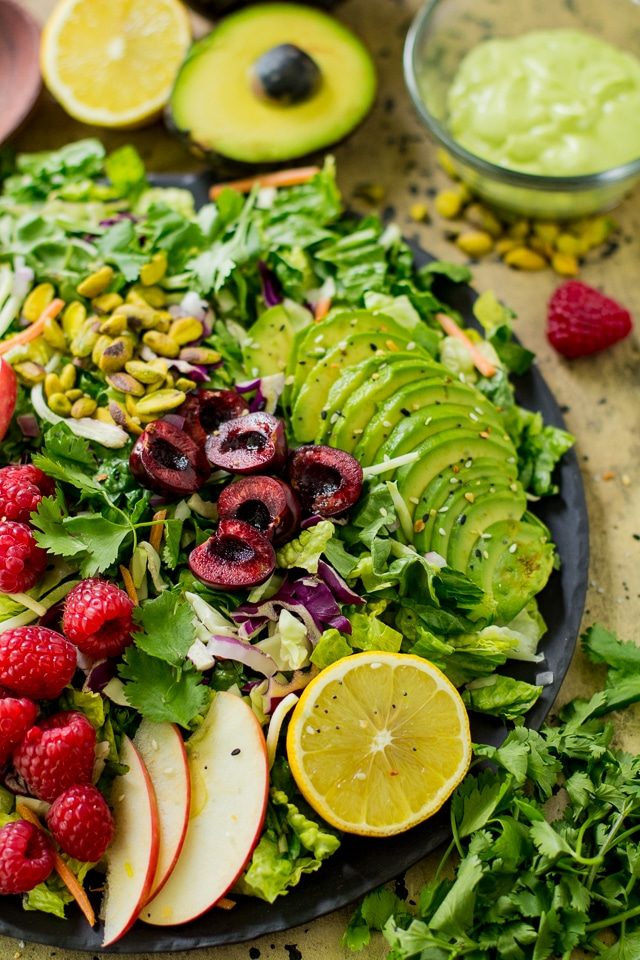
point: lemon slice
(113, 63)
(378, 741)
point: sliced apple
(162, 749)
(132, 856)
(227, 758)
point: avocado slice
(446, 449)
(312, 396)
(437, 498)
(498, 501)
(352, 418)
(224, 99)
(414, 398)
(512, 563)
(350, 380)
(419, 426)
(270, 339)
(316, 342)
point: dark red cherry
(267, 503)
(250, 444)
(164, 459)
(325, 480)
(236, 556)
(206, 410)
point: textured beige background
(600, 395)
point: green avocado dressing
(551, 102)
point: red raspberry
(36, 662)
(97, 617)
(56, 754)
(18, 498)
(16, 716)
(27, 473)
(22, 561)
(26, 857)
(581, 320)
(81, 822)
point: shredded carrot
(281, 178)
(155, 537)
(225, 904)
(62, 869)
(34, 329)
(450, 327)
(322, 309)
(129, 586)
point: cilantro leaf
(161, 692)
(92, 540)
(167, 627)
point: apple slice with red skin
(132, 857)
(229, 786)
(162, 750)
(8, 395)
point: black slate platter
(362, 864)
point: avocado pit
(285, 75)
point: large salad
(240, 444)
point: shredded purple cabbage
(258, 401)
(340, 589)
(308, 598)
(270, 286)
(117, 218)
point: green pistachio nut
(185, 330)
(152, 272)
(161, 343)
(114, 357)
(37, 301)
(85, 340)
(144, 372)
(52, 384)
(60, 404)
(125, 383)
(200, 355)
(73, 394)
(159, 402)
(83, 407)
(114, 326)
(67, 377)
(96, 283)
(30, 372)
(106, 302)
(53, 334)
(73, 318)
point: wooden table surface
(599, 395)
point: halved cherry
(236, 556)
(325, 480)
(250, 444)
(166, 460)
(267, 503)
(206, 410)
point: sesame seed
(428, 421)
(473, 417)
(442, 531)
(419, 526)
(513, 548)
(469, 497)
(414, 500)
(386, 423)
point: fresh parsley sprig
(548, 840)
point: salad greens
(546, 832)
(355, 584)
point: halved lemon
(112, 63)
(378, 741)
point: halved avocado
(243, 91)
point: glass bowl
(442, 34)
